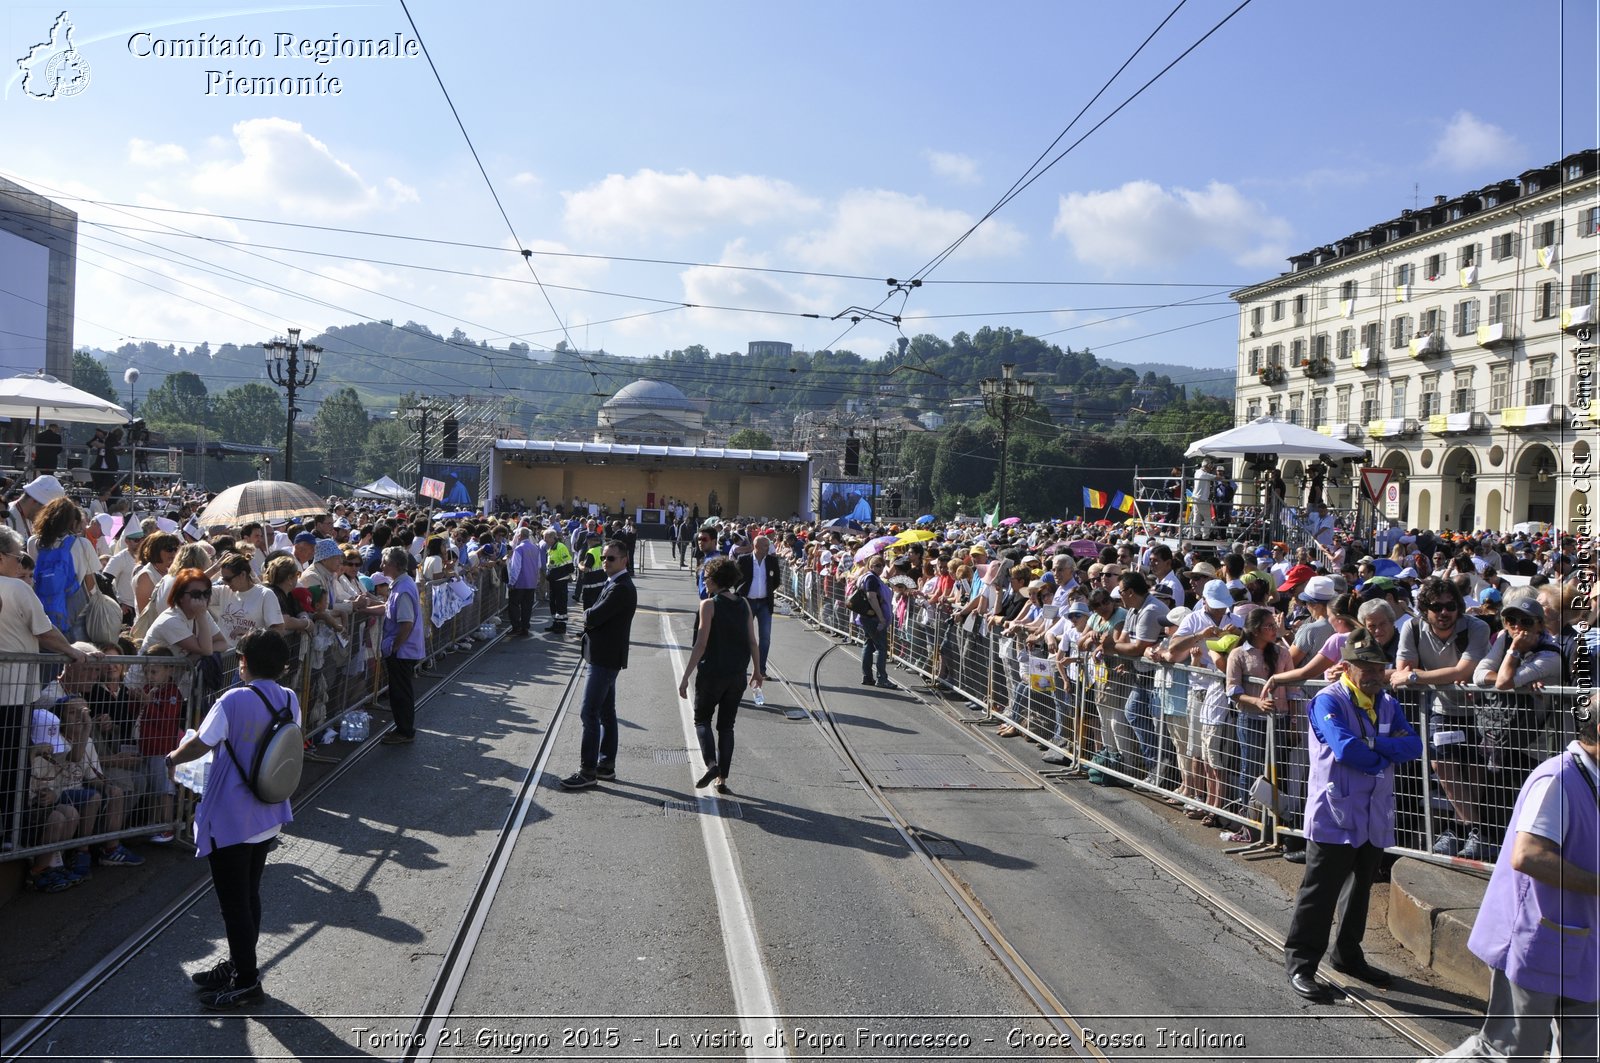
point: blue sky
(834, 140)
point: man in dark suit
(606, 629)
(758, 582)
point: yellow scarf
(1366, 704)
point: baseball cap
(1362, 648)
(1077, 609)
(1319, 589)
(1406, 573)
(1224, 643)
(1524, 600)
(44, 489)
(1490, 596)
(381, 579)
(1295, 576)
(1216, 595)
(308, 538)
(47, 731)
(1262, 551)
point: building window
(1347, 290)
(1504, 246)
(1547, 234)
(1431, 320)
(1397, 399)
(1403, 274)
(1255, 321)
(1277, 309)
(1369, 402)
(1429, 399)
(1275, 356)
(1400, 332)
(1297, 352)
(1255, 360)
(1341, 406)
(1252, 410)
(1296, 408)
(1275, 408)
(1500, 308)
(1538, 392)
(1319, 347)
(1583, 288)
(1589, 221)
(1323, 295)
(1499, 387)
(1546, 300)
(1433, 267)
(1462, 397)
(1299, 307)
(1465, 317)
(1347, 342)
(1370, 335)
(1319, 409)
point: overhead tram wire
(1018, 185)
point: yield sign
(1373, 482)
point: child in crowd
(102, 805)
(50, 820)
(160, 728)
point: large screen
(460, 481)
(24, 299)
(846, 498)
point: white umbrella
(1265, 435)
(41, 397)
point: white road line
(752, 992)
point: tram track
(972, 907)
(70, 1000)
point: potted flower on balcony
(1271, 374)
(1317, 367)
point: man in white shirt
(35, 493)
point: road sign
(1373, 482)
(1391, 500)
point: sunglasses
(204, 595)
(1517, 619)
(611, 557)
(1442, 607)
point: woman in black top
(723, 649)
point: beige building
(652, 412)
(1455, 342)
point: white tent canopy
(41, 397)
(1265, 435)
(386, 489)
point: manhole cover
(940, 771)
(796, 714)
(1113, 848)
(941, 847)
(672, 756)
(721, 807)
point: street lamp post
(1004, 398)
(286, 371)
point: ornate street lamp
(1005, 398)
(286, 371)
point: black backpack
(280, 755)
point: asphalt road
(641, 920)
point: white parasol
(41, 397)
(1266, 435)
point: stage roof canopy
(643, 450)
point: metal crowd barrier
(1170, 729)
(330, 683)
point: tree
(388, 445)
(339, 431)
(250, 413)
(178, 407)
(750, 439)
(89, 375)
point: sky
(770, 166)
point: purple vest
(229, 813)
(1346, 806)
(412, 649)
(530, 565)
(1544, 938)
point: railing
(1170, 730)
(332, 675)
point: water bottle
(347, 727)
(760, 698)
(361, 725)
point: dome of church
(651, 394)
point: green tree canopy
(89, 375)
(751, 439)
(339, 431)
(250, 413)
(178, 407)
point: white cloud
(869, 224)
(709, 286)
(680, 204)
(280, 163)
(148, 153)
(1470, 143)
(961, 169)
(1141, 223)
(525, 178)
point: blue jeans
(877, 638)
(599, 715)
(1252, 733)
(761, 609)
(1139, 711)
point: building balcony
(1271, 374)
(1345, 430)
(1496, 335)
(1365, 358)
(1542, 416)
(1426, 343)
(1577, 317)
(1392, 427)
(1316, 367)
(1449, 424)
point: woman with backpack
(65, 564)
(233, 828)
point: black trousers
(520, 600)
(236, 877)
(402, 694)
(1338, 877)
(717, 696)
(558, 600)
